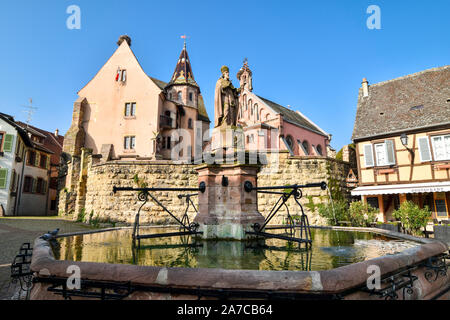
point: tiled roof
(52, 144)
(291, 116)
(183, 71)
(159, 83)
(420, 100)
(202, 114)
(10, 120)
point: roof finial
(184, 37)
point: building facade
(124, 114)
(270, 126)
(25, 170)
(402, 139)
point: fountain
(230, 250)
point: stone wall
(100, 203)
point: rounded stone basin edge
(332, 281)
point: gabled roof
(293, 116)
(417, 101)
(10, 120)
(183, 70)
(52, 144)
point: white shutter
(390, 152)
(424, 149)
(368, 155)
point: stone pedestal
(226, 210)
(227, 138)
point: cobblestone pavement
(16, 230)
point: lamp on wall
(404, 140)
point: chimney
(56, 132)
(365, 87)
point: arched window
(257, 113)
(290, 142)
(245, 102)
(319, 150)
(267, 116)
(250, 105)
(179, 95)
(305, 145)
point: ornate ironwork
(20, 270)
(289, 191)
(436, 266)
(403, 280)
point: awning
(402, 188)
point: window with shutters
(13, 181)
(43, 161)
(385, 153)
(441, 147)
(39, 185)
(3, 178)
(28, 184)
(31, 158)
(8, 143)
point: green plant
(81, 215)
(139, 182)
(310, 205)
(412, 216)
(361, 214)
(334, 211)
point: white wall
(7, 162)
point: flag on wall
(118, 74)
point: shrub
(412, 217)
(361, 214)
(334, 211)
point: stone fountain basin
(343, 282)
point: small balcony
(165, 122)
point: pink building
(269, 126)
(124, 114)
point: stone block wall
(101, 203)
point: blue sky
(311, 55)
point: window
(319, 150)
(373, 202)
(130, 109)
(2, 134)
(31, 158)
(290, 142)
(3, 178)
(43, 161)
(168, 142)
(28, 184)
(170, 95)
(441, 147)
(8, 143)
(39, 185)
(257, 113)
(384, 153)
(179, 95)
(191, 96)
(305, 146)
(129, 142)
(190, 123)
